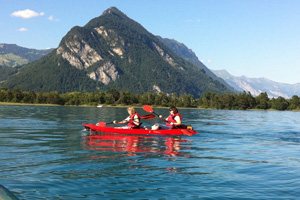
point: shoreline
(124, 106)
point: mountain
(183, 51)
(258, 85)
(113, 51)
(12, 55)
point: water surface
(46, 154)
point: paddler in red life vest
(173, 120)
(133, 119)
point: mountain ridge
(183, 51)
(258, 85)
(12, 55)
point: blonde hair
(131, 110)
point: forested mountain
(256, 86)
(12, 55)
(113, 51)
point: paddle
(149, 116)
(103, 123)
(149, 109)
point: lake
(47, 154)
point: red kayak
(92, 127)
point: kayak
(5, 194)
(93, 128)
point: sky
(255, 38)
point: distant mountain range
(258, 85)
(12, 55)
(239, 84)
(113, 51)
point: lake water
(46, 154)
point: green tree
(208, 99)
(174, 99)
(71, 98)
(100, 97)
(242, 101)
(17, 95)
(114, 93)
(109, 99)
(280, 103)
(262, 101)
(29, 97)
(147, 99)
(294, 103)
(162, 99)
(251, 101)
(54, 98)
(40, 98)
(2, 95)
(224, 101)
(125, 98)
(188, 101)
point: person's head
(131, 110)
(174, 109)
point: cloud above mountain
(26, 14)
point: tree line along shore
(113, 97)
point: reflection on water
(132, 145)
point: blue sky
(255, 38)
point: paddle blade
(150, 116)
(147, 108)
(101, 124)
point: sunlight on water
(46, 154)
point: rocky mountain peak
(111, 10)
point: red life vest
(130, 123)
(171, 118)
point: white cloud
(22, 29)
(26, 14)
(52, 18)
